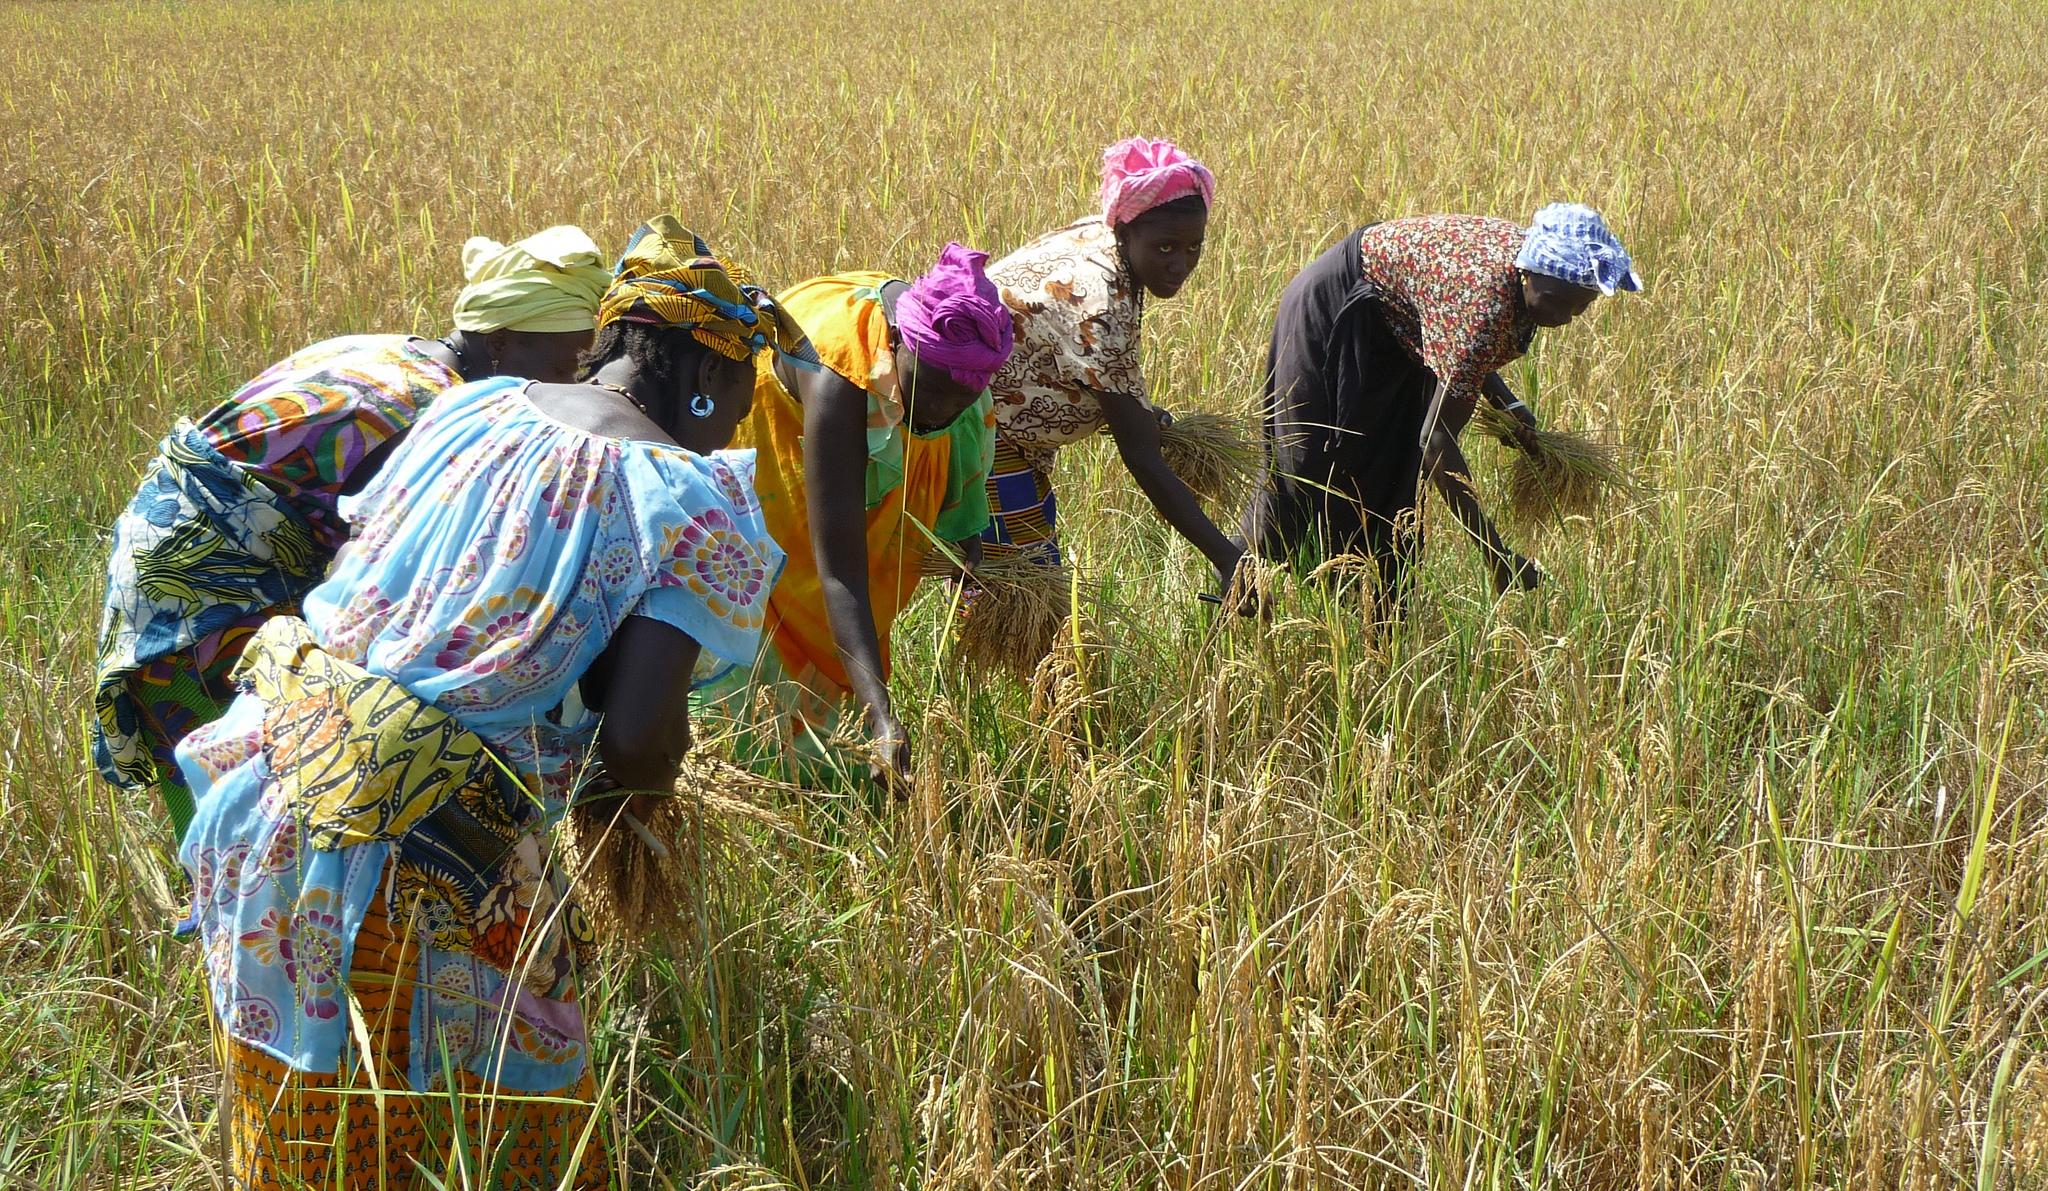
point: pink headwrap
(954, 317)
(1139, 174)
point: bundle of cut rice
(1011, 611)
(1563, 474)
(637, 879)
(1212, 454)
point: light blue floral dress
(495, 555)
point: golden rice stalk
(1564, 475)
(1212, 454)
(1012, 611)
(1063, 700)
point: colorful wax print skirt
(336, 812)
(1023, 511)
(284, 1129)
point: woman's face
(932, 399)
(1553, 303)
(1163, 247)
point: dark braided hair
(667, 356)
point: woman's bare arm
(835, 465)
(1136, 431)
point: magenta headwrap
(954, 317)
(1139, 174)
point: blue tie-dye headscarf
(1569, 241)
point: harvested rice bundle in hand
(1012, 610)
(1212, 454)
(634, 876)
(1560, 474)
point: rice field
(1719, 861)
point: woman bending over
(1381, 349)
(238, 514)
(1077, 296)
(867, 464)
(538, 573)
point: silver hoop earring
(701, 405)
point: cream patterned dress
(1077, 312)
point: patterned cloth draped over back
(1078, 313)
(1451, 294)
(496, 554)
(919, 488)
(235, 519)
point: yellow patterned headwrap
(669, 277)
(550, 281)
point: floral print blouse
(1451, 294)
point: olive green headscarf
(550, 281)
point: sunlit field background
(1719, 862)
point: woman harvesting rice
(1077, 296)
(1381, 350)
(369, 855)
(238, 513)
(867, 464)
